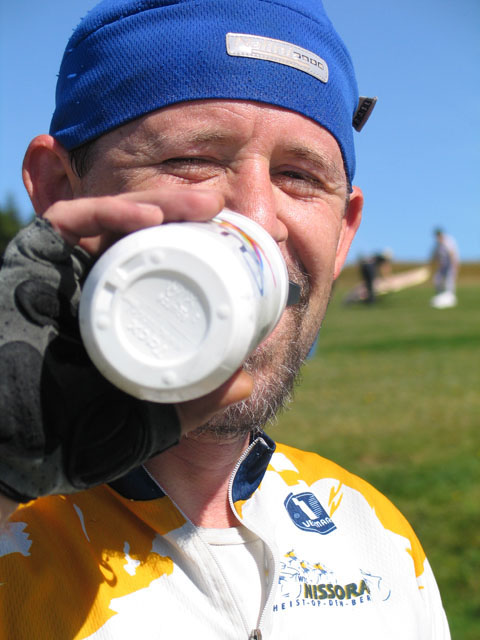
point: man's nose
(252, 194)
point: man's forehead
(224, 123)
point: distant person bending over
(445, 262)
(371, 268)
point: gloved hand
(63, 427)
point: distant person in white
(445, 260)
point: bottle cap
(169, 313)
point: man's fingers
(238, 387)
(180, 203)
(91, 217)
(104, 219)
(195, 413)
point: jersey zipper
(256, 634)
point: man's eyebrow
(329, 167)
(208, 136)
(158, 142)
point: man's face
(275, 166)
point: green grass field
(393, 394)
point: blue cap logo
(307, 513)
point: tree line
(10, 222)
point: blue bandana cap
(128, 58)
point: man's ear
(350, 223)
(47, 173)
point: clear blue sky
(418, 157)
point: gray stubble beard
(273, 389)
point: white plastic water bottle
(169, 313)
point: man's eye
(184, 161)
(298, 183)
(192, 167)
(295, 175)
(303, 177)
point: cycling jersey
(122, 562)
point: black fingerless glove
(63, 427)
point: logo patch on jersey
(307, 513)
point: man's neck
(195, 474)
